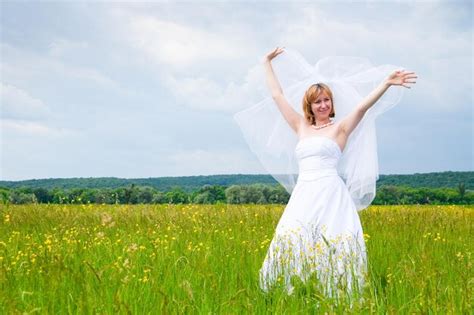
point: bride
(330, 142)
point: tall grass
(206, 258)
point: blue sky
(92, 89)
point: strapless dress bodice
(317, 157)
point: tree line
(189, 184)
(212, 194)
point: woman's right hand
(274, 53)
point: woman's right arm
(291, 116)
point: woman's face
(322, 106)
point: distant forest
(431, 188)
(191, 183)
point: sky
(138, 90)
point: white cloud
(419, 41)
(181, 51)
(19, 104)
(62, 46)
(178, 46)
(88, 74)
(205, 94)
(24, 128)
(201, 67)
(210, 162)
(20, 65)
(315, 32)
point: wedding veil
(351, 79)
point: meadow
(204, 259)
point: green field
(167, 259)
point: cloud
(205, 94)
(19, 104)
(420, 37)
(20, 65)
(189, 58)
(210, 162)
(319, 34)
(178, 46)
(61, 46)
(23, 128)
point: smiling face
(322, 106)
(318, 103)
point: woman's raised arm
(399, 77)
(291, 116)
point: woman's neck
(322, 122)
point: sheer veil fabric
(351, 79)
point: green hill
(190, 183)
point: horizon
(263, 174)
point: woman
(320, 231)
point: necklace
(322, 126)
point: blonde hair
(311, 95)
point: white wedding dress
(319, 230)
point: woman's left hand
(400, 77)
